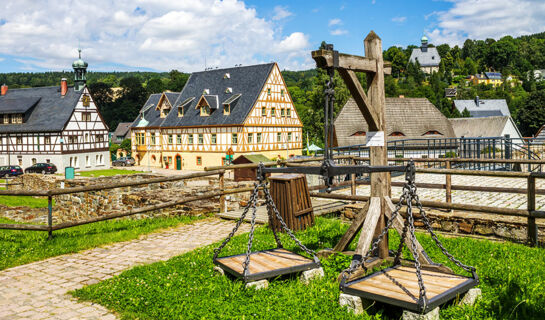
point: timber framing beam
(324, 59)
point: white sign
(375, 139)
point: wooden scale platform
(266, 264)
(398, 286)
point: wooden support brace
(367, 109)
(350, 234)
(324, 59)
(369, 226)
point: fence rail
(530, 213)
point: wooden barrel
(290, 194)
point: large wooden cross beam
(372, 105)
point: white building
(59, 125)
(428, 57)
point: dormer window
(206, 91)
(397, 134)
(433, 132)
(229, 90)
(226, 109)
(180, 112)
(227, 76)
(205, 110)
(165, 111)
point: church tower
(80, 70)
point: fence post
(222, 189)
(448, 184)
(50, 217)
(353, 181)
(532, 226)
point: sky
(190, 35)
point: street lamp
(61, 140)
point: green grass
(106, 172)
(185, 287)
(24, 201)
(20, 247)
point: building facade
(234, 111)
(58, 125)
(428, 57)
(493, 78)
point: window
(269, 91)
(48, 160)
(263, 111)
(179, 139)
(96, 159)
(258, 138)
(76, 162)
(15, 118)
(101, 160)
(282, 92)
(213, 139)
(358, 134)
(47, 140)
(33, 161)
(432, 132)
(288, 112)
(289, 136)
(86, 116)
(199, 161)
(190, 139)
(180, 111)
(19, 140)
(153, 141)
(99, 138)
(140, 140)
(201, 138)
(86, 137)
(282, 112)
(205, 110)
(234, 138)
(396, 134)
(273, 112)
(87, 162)
(250, 137)
(170, 139)
(226, 109)
(279, 137)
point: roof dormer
(207, 104)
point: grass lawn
(185, 287)
(24, 201)
(20, 247)
(106, 172)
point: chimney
(3, 90)
(64, 87)
(477, 100)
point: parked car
(41, 168)
(123, 162)
(10, 171)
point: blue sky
(188, 35)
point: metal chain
(422, 300)
(246, 263)
(427, 223)
(253, 196)
(269, 199)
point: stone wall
(85, 205)
(467, 223)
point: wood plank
(350, 234)
(369, 226)
(392, 282)
(366, 108)
(398, 226)
(265, 261)
(324, 59)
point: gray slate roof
(21, 105)
(428, 58)
(122, 129)
(50, 114)
(479, 127)
(413, 117)
(245, 81)
(484, 108)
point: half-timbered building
(237, 110)
(59, 125)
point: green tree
(155, 85)
(531, 113)
(465, 113)
(177, 80)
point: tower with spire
(80, 71)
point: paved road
(39, 290)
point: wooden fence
(530, 213)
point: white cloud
(281, 13)
(2, 59)
(399, 19)
(156, 34)
(477, 19)
(334, 22)
(338, 32)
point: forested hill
(513, 57)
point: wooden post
(50, 217)
(222, 189)
(353, 181)
(380, 186)
(532, 226)
(448, 184)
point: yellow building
(493, 78)
(239, 110)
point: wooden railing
(530, 213)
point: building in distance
(428, 57)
